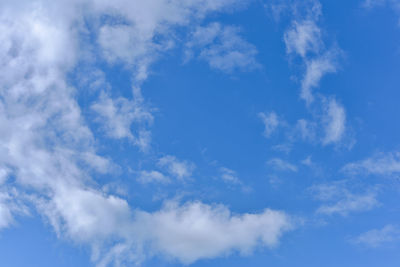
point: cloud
(334, 120)
(386, 164)
(374, 3)
(178, 168)
(338, 199)
(306, 129)
(146, 177)
(378, 237)
(186, 232)
(223, 48)
(282, 165)
(316, 68)
(117, 115)
(271, 122)
(10, 206)
(51, 153)
(199, 231)
(302, 38)
(229, 176)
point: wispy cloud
(180, 169)
(282, 165)
(229, 176)
(338, 199)
(385, 164)
(271, 122)
(147, 177)
(116, 117)
(316, 68)
(378, 237)
(334, 120)
(304, 38)
(223, 48)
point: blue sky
(199, 133)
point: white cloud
(271, 122)
(334, 121)
(306, 129)
(379, 237)
(199, 231)
(385, 164)
(316, 68)
(229, 176)
(186, 232)
(177, 168)
(10, 206)
(223, 48)
(117, 115)
(146, 177)
(44, 136)
(282, 165)
(302, 38)
(338, 199)
(374, 3)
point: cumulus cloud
(201, 231)
(186, 232)
(386, 164)
(338, 199)
(223, 48)
(378, 237)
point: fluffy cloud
(201, 231)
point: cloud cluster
(50, 151)
(304, 41)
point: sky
(199, 133)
